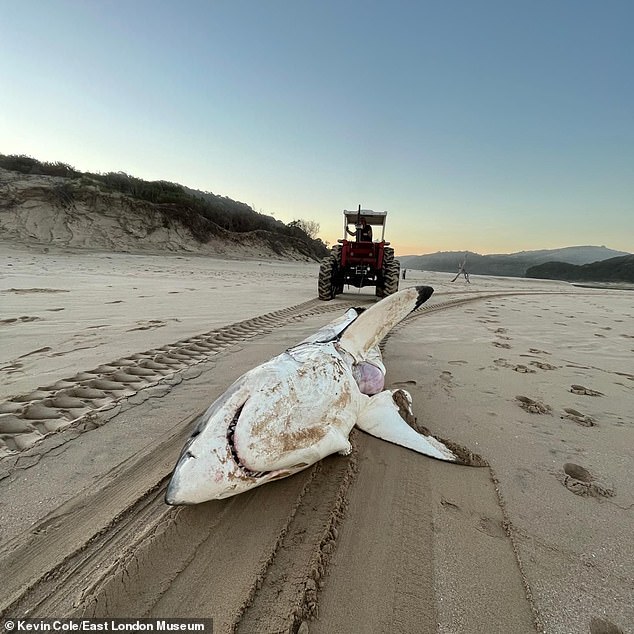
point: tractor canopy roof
(371, 217)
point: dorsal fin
(367, 330)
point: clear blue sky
(492, 126)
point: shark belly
(304, 409)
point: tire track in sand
(255, 562)
(26, 419)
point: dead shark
(290, 412)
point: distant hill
(506, 264)
(53, 203)
(619, 269)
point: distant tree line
(619, 269)
(190, 206)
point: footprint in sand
(578, 417)
(148, 325)
(577, 366)
(23, 319)
(584, 391)
(38, 351)
(532, 406)
(542, 365)
(482, 523)
(12, 368)
(410, 382)
(536, 351)
(24, 291)
(448, 504)
(603, 626)
(580, 481)
(446, 379)
(490, 527)
(457, 362)
(500, 344)
(522, 369)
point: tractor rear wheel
(336, 254)
(327, 286)
(386, 279)
(391, 278)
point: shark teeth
(230, 440)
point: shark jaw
(238, 480)
(207, 470)
(210, 466)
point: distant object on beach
(507, 264)
(619, 269)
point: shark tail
(367, 330)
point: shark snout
(175, 494)
(172, 496)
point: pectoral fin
(384, 417)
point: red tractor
(360, 261)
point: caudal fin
(367, 330)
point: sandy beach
(107, 359)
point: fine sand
(107, 359)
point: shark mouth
(236, 458)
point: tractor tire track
(26, 419)
(255, 562)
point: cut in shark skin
(290, 412)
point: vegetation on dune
(28, 165)
(205, 214)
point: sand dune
(107, 359)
